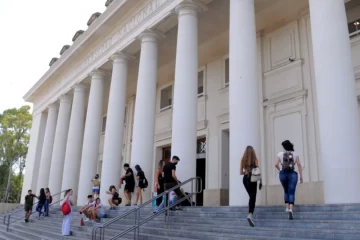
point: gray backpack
(288, 164)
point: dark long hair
(138, 168)
(288, 146)
(42, 193)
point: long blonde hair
(249, 158)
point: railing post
(138, 225)
(192, 190)
(8, 223)
(135, 213)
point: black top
(42, 199)
(29, 199)
(160, 179)
(115, 196)
(168, 173)
(129, 179)
(141, 175)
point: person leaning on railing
(170, 179)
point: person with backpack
(67, 213)
(249, 167)
(142, 184)
(289, 160)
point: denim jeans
(172, 201)
(39, 208)
(47, 203)
(288, 181)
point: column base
(306, 193)
(216, 197)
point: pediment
(53, 60)
(64, 48)
(93, 18)
(108, 2)
(77, 35)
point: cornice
(148, 16)
(115, 6)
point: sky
(31, 33)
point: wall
(6, 207)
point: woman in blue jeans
(289, 160)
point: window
(166, 97)
(103, 127)
(354, 28)
(226, 75)
(201, 82)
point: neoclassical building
(203, 79)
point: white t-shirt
(281, 156)
(88, 203)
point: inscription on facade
(125, 29)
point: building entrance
(200, 165)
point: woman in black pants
(248, 162)
(159, 181)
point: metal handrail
(8, 216)
(137, 209)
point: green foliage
(15, 127)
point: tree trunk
(6, 196)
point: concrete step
(338, 222)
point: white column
(47, 149)
(58, 154)
(144, 119)
(92, 132)
(114, 132)
(34, 154)
(336, 101)
(74, 143)
(184, 130)
(243, 93)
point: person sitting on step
(87, 207)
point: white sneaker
(251, 221)
(86, 220)
(287, 210)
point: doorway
(201, 168)
(200, 172)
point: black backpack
(288, 164)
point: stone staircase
(336, 222)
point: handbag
(255, 174)
(65, 207)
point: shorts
(141, 185)
(101, 214)
(28, 207)
(96, 190)
(116, 201)
(129, 188)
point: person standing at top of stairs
(96, 186)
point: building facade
(203, 79)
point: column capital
(121, 57)
(190, 7)
(53, 107)
(150, 36)
(65, 99)
(79, 87)
(97, 73)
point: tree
(15, 127)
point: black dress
(161, 189)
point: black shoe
(26, 220)
(291, 215)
